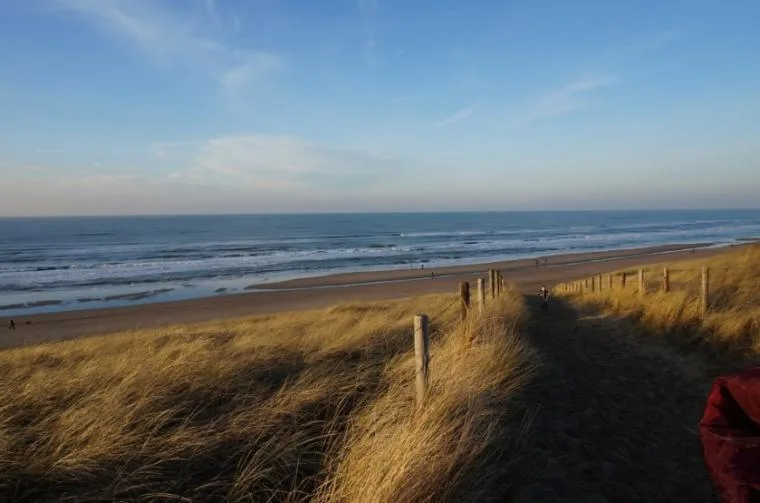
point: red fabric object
(730, 433)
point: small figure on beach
(422, 267)
(543, 294)
(538, 264)
(546, 261)
(432, 274)
(12, 325)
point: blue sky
(219, 106)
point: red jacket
(730, 433)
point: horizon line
(417, 212)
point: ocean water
(49, 264)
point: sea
(55, 264)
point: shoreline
(314, 293)
(396, 275)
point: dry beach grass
(301, 406)
(733, 319)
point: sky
(248, 106)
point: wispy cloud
(458, 116)
(275, 162)
(564, 100)
(643, 45)
(172, 36)
(253, 67)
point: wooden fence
(422, 327)
(619, 281)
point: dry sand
(320, 292)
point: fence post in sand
(585, 282)
(464, 298)
(593, 283)
(665, 280)
(501, 283)
(421, 356)
(610, 278)
(600, 282)
(481, 295)
(622, 280)
(492, 283)
(642, 289)
(705, 294)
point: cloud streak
(276, 162)
(562, 101)
(169, 36)
(457, 116)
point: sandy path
(618, 415)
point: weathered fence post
(610, 278)
(481, 295)
(599, 279)
(585, 282)
(593, 283)
(421, 356)
(501, 283)
(464, 298)
(705, 296)
(622, 280)
(642, 290)
(492, 282)
(665, 280)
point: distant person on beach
(432, 274)
(12, 325)
(422, 267)
(538, 264)
(543, 294)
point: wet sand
(324, 291)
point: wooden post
(665, 280)
(610, 278)
(585, 282)
(481, 295)
(492, 283)
(600, 282)
(421, 356)
(464, 298)
(593, 283)
(642, 290)
(622, 280)
(705, 297)
(501, 283)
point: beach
(311, 293)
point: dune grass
(732, 322)
(304, 406)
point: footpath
(617, 414)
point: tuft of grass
(732, 322)
(304, 406)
